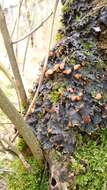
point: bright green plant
(94, 154)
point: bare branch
(32, 31)
(8, 75)
(8, 123)
(16, 21)
(32, 105)
(12, 58)
(28, 39)
(12, 148)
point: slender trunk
(12, 58)
(8, 75)
(24, 129)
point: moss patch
(23, 180)
(54, 95)
(92, 173)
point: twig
(13, 148)
(18, 20)
(16, 135)
(67, 1)
(11, 35)
(32, 105)
(12, 59)
(33, 30)
(5, 123)
(14, 26)
(27, 43)
(8, 75)
(25, 54)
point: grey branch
(33, 30)
(12, 148)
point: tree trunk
(12, 58)
(24, 130)
(8, 75)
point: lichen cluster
(73, 94)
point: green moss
(87, 53)
(24, 180)
(87, 45)
(94, 154)
(78, 18)
(105, 97)
(21, 144)
(65, 9)
(100, 65)
(54, 95)
(73, 59)
(59, 37)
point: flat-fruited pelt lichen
(73, 96)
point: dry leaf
(67, 71)
(49, 72)
(69, 89)
(50, 130)
(86, 119)
(78, 76)
(98, 96)
(77, 67)
(69, 124)
(83, 63)
(56, 67)
(62, 65)
(75, 98)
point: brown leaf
(98, 96)
(69, 89)
(67, 71)
(62, 65)
(75, 98)
(78, 76)
(83, 63)
(56, 67)
(77, 67)
(49, 72)
(50, 130)
(69, 124)
(86, 119)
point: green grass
(24, 180)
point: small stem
(32, 31)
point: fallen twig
(9, 146)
